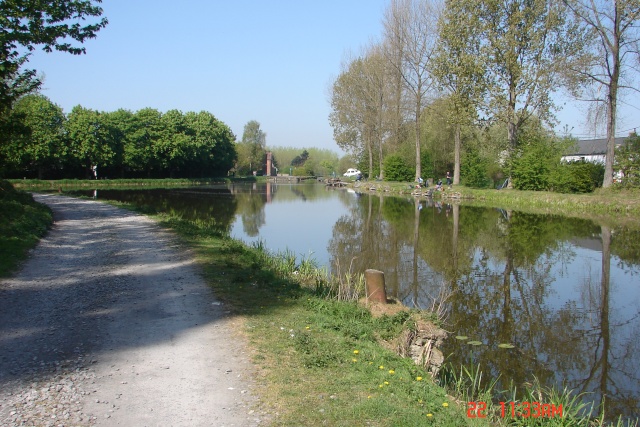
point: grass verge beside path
(22, 223)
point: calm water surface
(565, 292)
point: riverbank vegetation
(22, 223)
(603, 204)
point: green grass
(22, 223)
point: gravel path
(109, 324)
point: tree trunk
(418, 160)
(456, 150)
(612, 105)
(370, 150)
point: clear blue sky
(270, 61)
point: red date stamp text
(516, 410)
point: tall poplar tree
(411, 34)
(459, 68)
(359, 102)
(617, 55)
(251, 150)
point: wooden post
(375, 286)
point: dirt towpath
(109, 323)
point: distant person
(439, 186)
(449, 179)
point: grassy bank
(22, 223)
(602, 205)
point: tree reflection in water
(513, 278)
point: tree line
(40, 141)
(468, 85)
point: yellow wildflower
(429, 415)
(356, 351)
(380, 367)
(391, 371)
(445, 404)
(419, 379)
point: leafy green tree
(474, 170)
(628, 162)
(358, 107)
(144, 132)
(53, 25)
(123, 124)
(174, 145)
(534, 163)
(577, 177)
(41, 145)
(91, 139)
(252, 148)
(212, 150)
(411, 32)
(300, 159)
(526, 47)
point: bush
(531, 169)
(474, 170)
(627, 161)
(395, 169)
(577, 177)
(533, 166)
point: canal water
(548, 297)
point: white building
(591, 150)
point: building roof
(591, 147)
